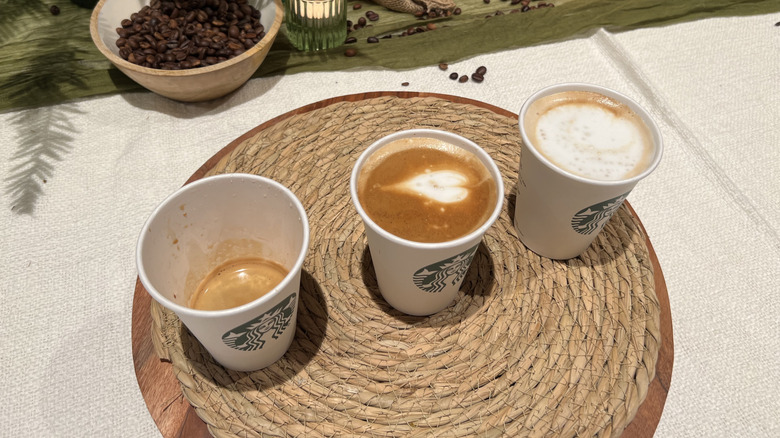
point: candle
(316, 24)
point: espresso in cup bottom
(237, 282)
(426, 190)
(590, 135)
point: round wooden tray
(157, 378)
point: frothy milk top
(590, 135)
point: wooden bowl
(190, 85)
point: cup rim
(581, 86)
(454, 139)
(172, 198)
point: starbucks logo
(249, 336)
(592, 219)
(435, 277)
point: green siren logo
(591, 219)
(435, 277)
(249, 336)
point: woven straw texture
(531, 347)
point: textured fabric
(79, 180)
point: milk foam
(445, 186)
(598, 139)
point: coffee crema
(426, 190)
(237, 282)
(590, 135)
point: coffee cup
(426, 198)
(201, 233)
(585, 147)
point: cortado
(590, 135)
(426, 190)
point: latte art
(445, 186)
(426, 190)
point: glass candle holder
(316, 24)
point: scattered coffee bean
(431, 26)
(350, 53)
(372, 40)
(456, 11)
(443, 66)
(453, 76)
(463, 79)
(356, 6)
(419, 14)
(777, 24)
(481, 70)
(432, 14)
(174, 35)
(350, 40)
(476, 77)
(486, 1)
(55, 10)
(372, 16)
(405, 84)
(362, 21)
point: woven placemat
(531, 347)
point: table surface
(90, 172)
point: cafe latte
(590, 135)
(426, 190)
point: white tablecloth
(711, 209)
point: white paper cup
(423, 278)
(558, 213)
(207, 223)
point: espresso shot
(426, 190)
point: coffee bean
(486, 1)
(476, 77)
(405, 84)
(372, 40)
(431, 26)
(350, 52)
(176, 34)
(419, 14)
(55, 10)
(443, 66)
(481, 70)
(350, 40)
(372, 16)
(356, 6)
(463, 79)
(362, 21)
(453, 76)
(456, 11)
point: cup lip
(172, 198)
(581, 86)
(454, 139)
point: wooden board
(175, 417)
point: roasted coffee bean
(186, 34)
(419, 14)
(456, 11)
(362, 21)
(443, 66)
(55, 10)
(350, 52)
(481, 70)
(463, 78)
(356, 6)
(372, 40)
(372, 16)
(431, 26)
(350, 40)
(453, 76)
(476, 77)
(404, 84)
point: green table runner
(47, 59)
